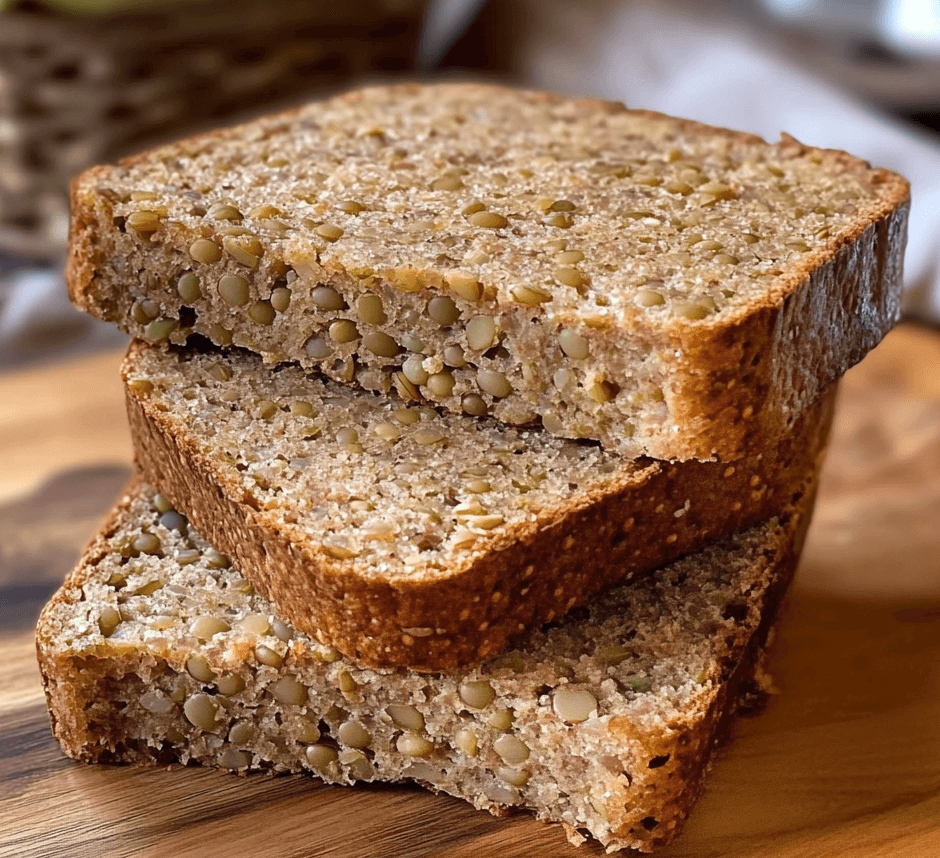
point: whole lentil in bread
(668, 288)
(406, 537)
(156, 649)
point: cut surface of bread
(604, 721)
(406, 537)
(668, 288)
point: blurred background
(85, 81)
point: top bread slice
(665, 287)
(407, 538)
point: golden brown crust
(730, 382)
(754, 375)
(66, 687)
(80, 263)
(667, 804)
(525, 575)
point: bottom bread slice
(155, 648)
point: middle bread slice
(405, 537)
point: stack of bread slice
(478, 432)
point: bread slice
(668, 288)
(404, 537)
(604, 721)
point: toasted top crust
(653, 261)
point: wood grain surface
(844, 762)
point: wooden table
(844, 762)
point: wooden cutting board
(845, 761)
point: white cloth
(37, 321)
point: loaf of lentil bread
(406, 537)
(668, 288)
(156, 649)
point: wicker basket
(77, 91)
